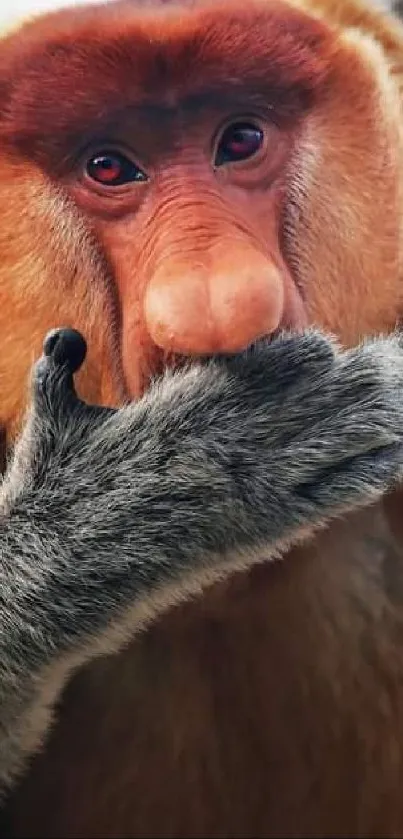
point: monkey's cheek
(196, 313)
(295, 315)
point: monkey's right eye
(113, 169)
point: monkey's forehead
(99, 57)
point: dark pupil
(239, 142)
(112, 169)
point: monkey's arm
(108, 517)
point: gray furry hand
(108, 517)
(218, 464)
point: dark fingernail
(65, 346)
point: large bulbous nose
(219, 307)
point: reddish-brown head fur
(194, 259)
(200, 258)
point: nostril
(65, 346)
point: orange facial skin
(196, 256)
(179, 179)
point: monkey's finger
(359, 480)
(64, 351)
(284, 359)
(65, 346)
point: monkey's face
(181, 182)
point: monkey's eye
(110, 168)
(238, 142)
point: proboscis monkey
(180, 180)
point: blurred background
(12, 10)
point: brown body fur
(192, 706)
(273, 706)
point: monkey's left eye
(113, 169)
(238, 142)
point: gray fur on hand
(111, 516)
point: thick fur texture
(272, 705)
(110, 517)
